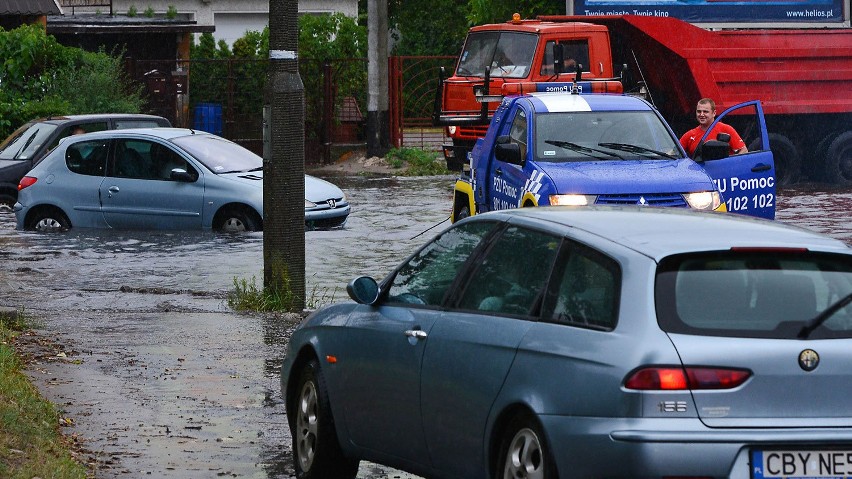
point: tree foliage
(41, 77)
(333, 38)
(429, 27)
(495, 11)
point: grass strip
(30, 442)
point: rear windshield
(754, 294)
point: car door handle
(113, 189)
(760, 167)
(416, 333)
(498, 172)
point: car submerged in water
(159, 178)
(578, 342)
(29, 144)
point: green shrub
(149, 12)
(417, 162)
(40, 77)
(131, 12)
(171, 13)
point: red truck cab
(514, 52)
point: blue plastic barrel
(208, 117)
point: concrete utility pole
(378, 124)
(284, 158)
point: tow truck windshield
(504, 54)
(615, 135)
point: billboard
(720, 11)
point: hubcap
(306, 426)
(234, 225)
(48, 224)
(524, 458)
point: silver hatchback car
(160, 178)
(585, 343)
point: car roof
(162, 132)
(96, 116)
(551, 102)
(661, 232)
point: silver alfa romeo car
(586, 343)
(158, 178)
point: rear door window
(768, 294)
(512, 276)
(585, 290)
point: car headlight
(703, 200)
(572, 200)
(309, 204)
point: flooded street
(159, 378)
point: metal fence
(226, 96)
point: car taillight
(26, 181)
(658, 378)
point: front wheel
(48, 220)
(524, 453)
(236, 220)
(316, 449)
(464, 212)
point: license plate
(801, 464)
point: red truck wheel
(788, 163)
(838, 160)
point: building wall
(232, 18)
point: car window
(87, 157)
(164, 160)
(518, 132)
(585, 290)
(218, 154)
(28, 142)
(121, 124)
(754, 294)
(132, 159)
(77, 129)
(504, 54)
(595, 135)
(511, 277)
(573, 52)
(426, 278)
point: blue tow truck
(566, 148)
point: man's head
(78, 130)
(705, 112)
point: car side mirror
(724, 137)
(179, 174)
(712, 150)
(509, 152)
(363, 290)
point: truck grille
(651, 199)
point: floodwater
(157, 375)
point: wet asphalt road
(154, 373)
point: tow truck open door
(746, 181)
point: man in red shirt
(705, 112)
